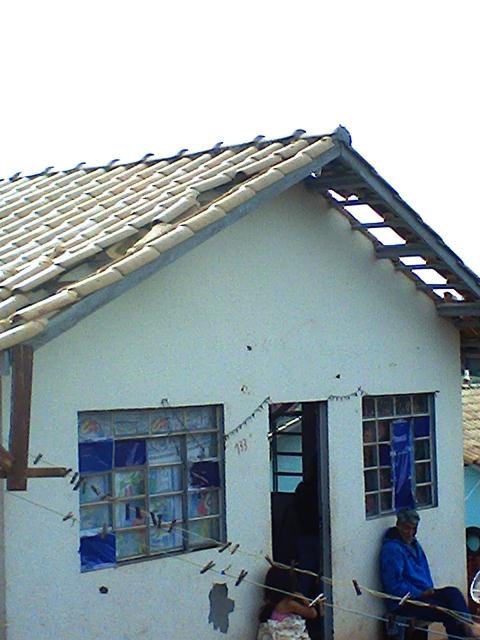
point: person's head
(407, 524)
(278, 584)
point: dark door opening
(299, 496)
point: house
(184, 341)
(471, 461)
(471, 452)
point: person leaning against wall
(405, 570)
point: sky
(97, 80)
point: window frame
(282, 430)
(375, 444)
(182, 527)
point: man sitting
(404, 570)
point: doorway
(299, 496)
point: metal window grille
(379, 412)
(153, 479)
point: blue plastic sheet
(402, 463)
(95, 456)
(130, 453)
(97, 552)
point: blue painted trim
(66, 319)
(406, 213)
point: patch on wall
(220, 607)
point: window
(286, 448)
(398, 452)
(151, 483)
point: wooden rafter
(41, 472)
(14, 463)
(21, 396)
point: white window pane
(165, 479)
(167, 508)
(162, 450)
(130, 513)
(162, 540)
(130, 544)
(201, 446)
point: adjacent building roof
(72, 240)
(471, 423)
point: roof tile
(121, 217)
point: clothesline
(220, 544)
(325, 603)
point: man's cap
(408, 515)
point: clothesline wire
(379, 594)
(325, 603)
(43, 506)
(325, 579)
(400, 624)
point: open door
(299, 497)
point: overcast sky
(96, 80)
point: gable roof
(70, 241)
(471, 424)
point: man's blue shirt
(403, 567)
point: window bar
(185, 478)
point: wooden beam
(459, 309)
(447, 285)
(47, 472)
(39, 472)
(334, 182)
(21, 397)
(6, 459)
(371, 225)
(403, 250)
(390, 197)
(359, 202)
(418, 267)
(468, 323)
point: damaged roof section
(66, 235)
(72, 240)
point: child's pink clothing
(283, 626)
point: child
(283, 616)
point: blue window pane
(421, 426)
(289, 444)
(97, 552)
(292, 464)
(95, 456)
(130, 453)
(288, 484)
(384, 451)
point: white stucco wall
(307, 294)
